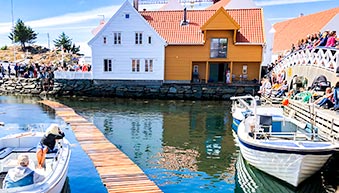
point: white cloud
(71, 18)
(284, 2)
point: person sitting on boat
(21, 175)
(47, 143)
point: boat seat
(265, 123)
(4, 152)
(265, 126)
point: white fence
(322, 57)
(72, 75)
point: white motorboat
(242, 106)
(249, 179)
(283, 148)
(56, 164)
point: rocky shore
(123, 89)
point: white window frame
(135, 65)
(109, 67)
(117, 38)
(104, 40)
(138, 38)
(149, 65)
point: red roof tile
(290, 31)
(167, 24)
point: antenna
(103, 17)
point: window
(218, 48)
(195, 69)
(138, 38)
(105, 39)
(117, 38)
(149, 39)
(135, 65)
(107, 65)
(148, 65)
(127, 15)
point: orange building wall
(179, 58)
(253, 70)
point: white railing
(72, 75)
(322, 57)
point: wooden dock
(118, 173)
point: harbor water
(183, 146)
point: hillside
(36, 54)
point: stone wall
(125, 89)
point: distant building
(127, 48)
(182, 45)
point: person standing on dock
(47, 143)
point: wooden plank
(325, 120)
(118, 173)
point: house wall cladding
(126, 89)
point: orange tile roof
(290, 31)
(221, 3)
(167, 24)
(99, 27)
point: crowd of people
(41, 71)
(320, 39)
(298, 90)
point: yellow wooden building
(210, 45)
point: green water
(183, 146)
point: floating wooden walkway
(118, 173)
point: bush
(4, 47)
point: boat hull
(289, 167)
(289, 160)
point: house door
(218, 72)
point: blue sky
(77, 18)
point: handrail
(322, 57)
(72, 75)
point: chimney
(136, 4)
(184, 22)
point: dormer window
(218, 48)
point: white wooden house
(128, 48)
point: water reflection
(250, 179)
(183, 146)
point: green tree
(65, 43)
(23, 34)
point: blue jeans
(326, 101)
